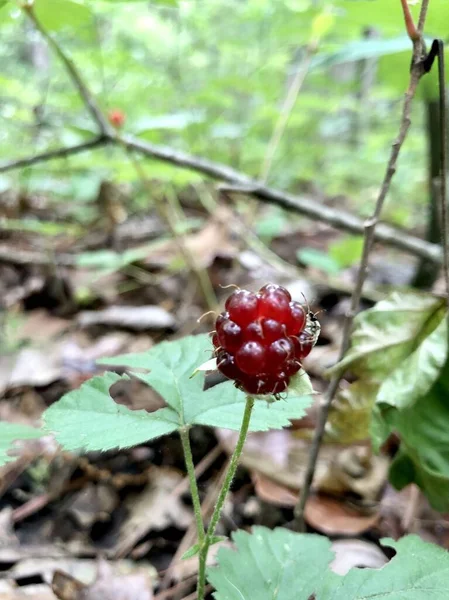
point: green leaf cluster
(399, 353)
(282, 565)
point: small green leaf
(193, 551)
(318, 259)
(89, 419)
(56, 14)
(11, 432)
(347, 251)
(282, 565)
(414, 377)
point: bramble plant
(400, 339)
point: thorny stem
(187, 450)
(417, 71)
(233, 464)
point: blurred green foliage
(210, 77)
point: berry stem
(233, 464)
(187, 449)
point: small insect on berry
(116, 118)
(260, 339)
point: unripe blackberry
(261, 339)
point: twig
(417, 71)
(57, 153)
(443, 165)
(84, 92)
(242, 183)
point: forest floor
(113, 525)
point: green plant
(89, 419)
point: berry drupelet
(261, 339)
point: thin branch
(417, 71)
(77, 80)
(443, 164)
(51, 154)
(242, 183)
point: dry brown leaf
(155, 508)
(107, 586)
(332, 516)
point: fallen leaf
(333, 517)
(356, 553)
(155, 508)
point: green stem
(222, 497)
(187, 449)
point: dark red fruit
(278, 353)
(275, 305)
(272, 330)
(297, 320)
(260, 339)
(303, 344)
(242, 307)
(230, 336)
(251, 357)
(254, 332)
(292, 367)
(226, 365)
(273, 287)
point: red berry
(116, 117)
(242, 307)
(278, 353)
(292, 367)
(297, 320)
(226, 365)
(230, 335)
(260, 339)
(250, 358)
(264, 385)
(273, 287)
(254, 332)
(272, 330)
(275, 305)
(303, 344)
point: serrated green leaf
(388, 333)
(418, 570)
(270, 565)
(89, 419)
(171, 365)
(414, 377)
(11, 432)
(282, 565)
